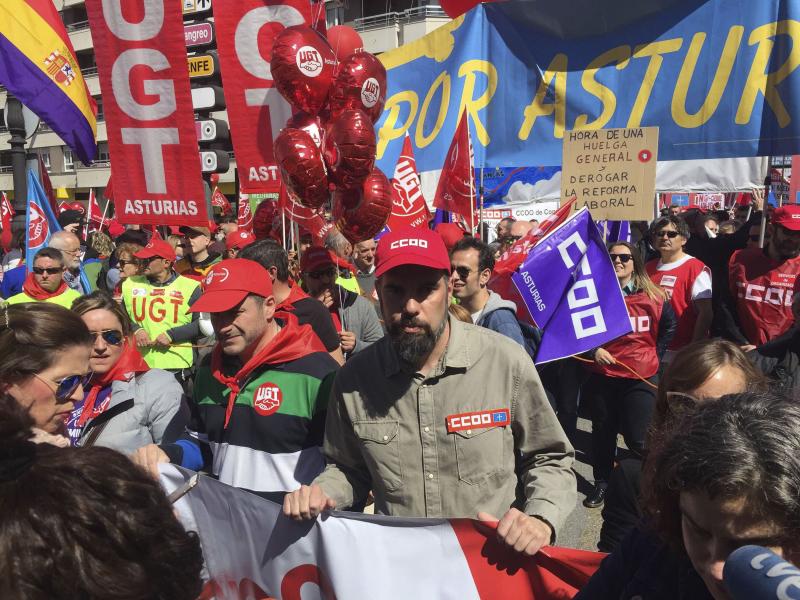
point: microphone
(756, 573)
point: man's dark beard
(414, 348)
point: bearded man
(441, 418)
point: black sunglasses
(623, 258)
(64, 388)
(110, 336)
(124, 263)
(463, 272)
(48, 270)
(669, 234)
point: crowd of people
(388, 374)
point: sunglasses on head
(623, 258)
(680, 403)
(669, 234)
(48, 270)
(110, 336)
(323, 273)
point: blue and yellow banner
(719, 78)
(38, 65)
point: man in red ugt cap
(764, 282)
(441, 418)
(260, 396)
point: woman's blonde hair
(641, 280)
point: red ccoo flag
(6, 214)
(456, 189)
(408, 203)
(219, 200)
(245, 215)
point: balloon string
(619, 362)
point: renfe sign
(151, 136)
(246, 30)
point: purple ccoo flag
(571, 290)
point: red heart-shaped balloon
(310, 124)
(344, 40)
(362, 212)
(360, 82)
(302, 168)
(263, 218)
(349, 148)
(302, 67)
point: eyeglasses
(64, 388)
(670, 234)
(680, 403)
(463, 272)
(110, 336)
(623, 258)
(125, 263)
(48, 270)
(330, 273)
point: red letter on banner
(256, 111)
(144, 75)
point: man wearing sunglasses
(685, 279)
(472, 263)
(46, 282)
(353, 315)
(198, 258)
(764, 282)
(157, 303)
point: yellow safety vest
(65, 298)
(157, 310)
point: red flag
(47, 185)
(6, 214)
(408, 203)
(219, 200)
(456, 189)
(516, 255)
(245, 215)
(62, 206)
(94, 219)
(305, 217)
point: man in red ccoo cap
(260, 396)
(441, 418)
(764, 282)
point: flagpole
(480, 214)
(283, 227)
(471, 200)
(88, 217)
(105, 212)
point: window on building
(334, 14)
(69, 160)
(45, 154)
(102, 153)
(86, 62)
(101, 116)
(5, 162)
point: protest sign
(141, 61)
(612, 172)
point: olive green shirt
(386, 431)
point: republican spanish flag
(38, 66)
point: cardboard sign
(612, 172)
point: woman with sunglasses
(44, 355)
(126, 405)
(700, 372)
(621, 389)
(127, 266)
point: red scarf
(293, 341)
(130, 363)
(295, 293)
(32, 288)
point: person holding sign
(622, 387)
(685, 280)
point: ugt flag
(571, 291)
(40, 222)
(252, 551)
(408, 203)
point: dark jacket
(779, 359)
(644, 567)
(622, 511)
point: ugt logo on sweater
(267, 399)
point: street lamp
(16, 127)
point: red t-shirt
(638, 348)
(763, 290)
(678, 283)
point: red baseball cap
(450, 233)
(411, 246)
(787, 216)
(239, 239)
(316, 258)
(229, 282)
(157, 247)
